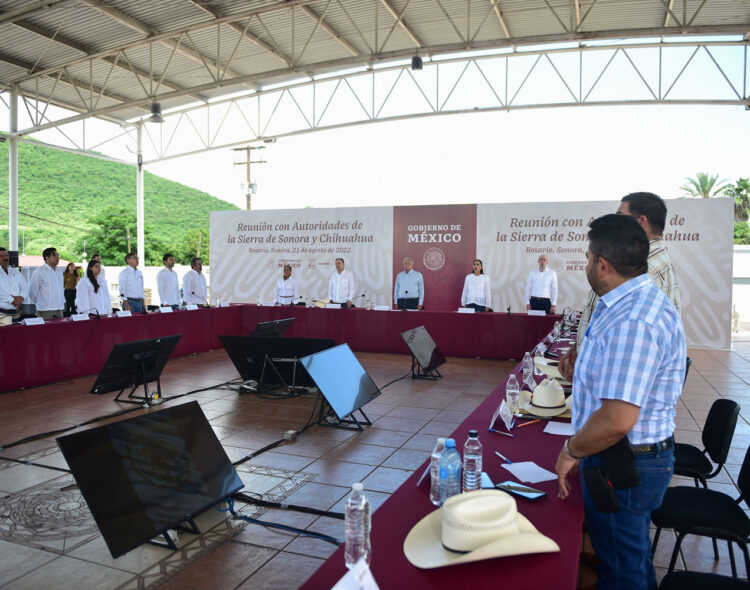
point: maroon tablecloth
(561, 520)
(60, 350)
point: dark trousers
(476, 306)
(407, 302)
(541, 304)
(70, 302)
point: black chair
(700, 581)
(708, 513)
(717, 434)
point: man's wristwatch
(567, 449)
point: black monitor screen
(341, 379)
(423, 347)
(273, 329)
(249, 356)
(126, 362)
(145, 475)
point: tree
(704, 186)
(741, 233)
(194, 241)
(110, 237)
(740, 192)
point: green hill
(59, 192)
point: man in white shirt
(131, 285)
(168, 283)
(194, 284)
(46, 287)
(541, 287)
(13, 287)
(286, 291)
(341, 286)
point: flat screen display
(341, 379)
(272, 329)
(423, 347)
(249, 353)
(145, 475)
(125, 363)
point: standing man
(408, 292)
(341, 286)
(651, 213)
(541, 287)
(194, 284)
(286, 291)
(13, 287)
(168, 283)
(627, 380)
(131, 285)
(46, 287)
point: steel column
(13, 172)
(139, 197)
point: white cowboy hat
(548, 366)
(475, 525)
(548, 399)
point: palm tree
(705, 186)
(740, 191)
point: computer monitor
(423, 348)
(341, 379)
(145, 475)
(272, 329)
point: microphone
(92, 311)
(205, 303)
(509, 310)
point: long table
(62, 349)
(560, 520)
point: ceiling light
(416, 63)
(155, 113)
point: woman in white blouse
(476, 292)
(92, 294)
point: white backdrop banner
(510, 238)
(250, 248)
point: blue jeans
(621, 539)
(136, 305)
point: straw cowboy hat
(548, 399)
(548, 366)
(475, 525)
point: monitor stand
(138, 367)
(418, 373)
(270, 362)
(327, 418)
(168, 542)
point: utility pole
(251, 187)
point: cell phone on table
(517, 489)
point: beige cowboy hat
(549, 367)
(548, 399)
(475, 525)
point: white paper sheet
(561, 428)
(529, 472)
(357, 578)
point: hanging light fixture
(155, 113)
(416, 63)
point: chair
(717, 435)
(700, 511)
(700, 581)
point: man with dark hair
(13, 287)
(194, 284)
(131, 285)
(627, 381)
(46, 287)
(168, 283)
(341, 285)
(651, 213)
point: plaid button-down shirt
(660, 270)
(634, 352)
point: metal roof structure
(267, 68)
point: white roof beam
(500, 17)
(402, 23)
(330, 30)
(28, 9)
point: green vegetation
(704, 186)
(741, 233)
(64, 199)
(740, 192)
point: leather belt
(662, 445)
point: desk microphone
(205, 303)
(92, 311)
(509, 310)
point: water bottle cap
(357, 487)
(450, 443)
(441, 440)
(473, 434)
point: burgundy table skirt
(60, 350)
(561, 520)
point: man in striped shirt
(651, 213)
(628, 377)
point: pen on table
(504, 458)
(501, 432)
(527, 423)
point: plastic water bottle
(528, 366)
(260, 301)
(357, 524)
(450, 471)
(472, 462)
(435, 471)
(512, 393)
(538, 354)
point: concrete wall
(741, 283)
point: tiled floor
(48, 539)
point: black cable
(259, 501)
(254, 454)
